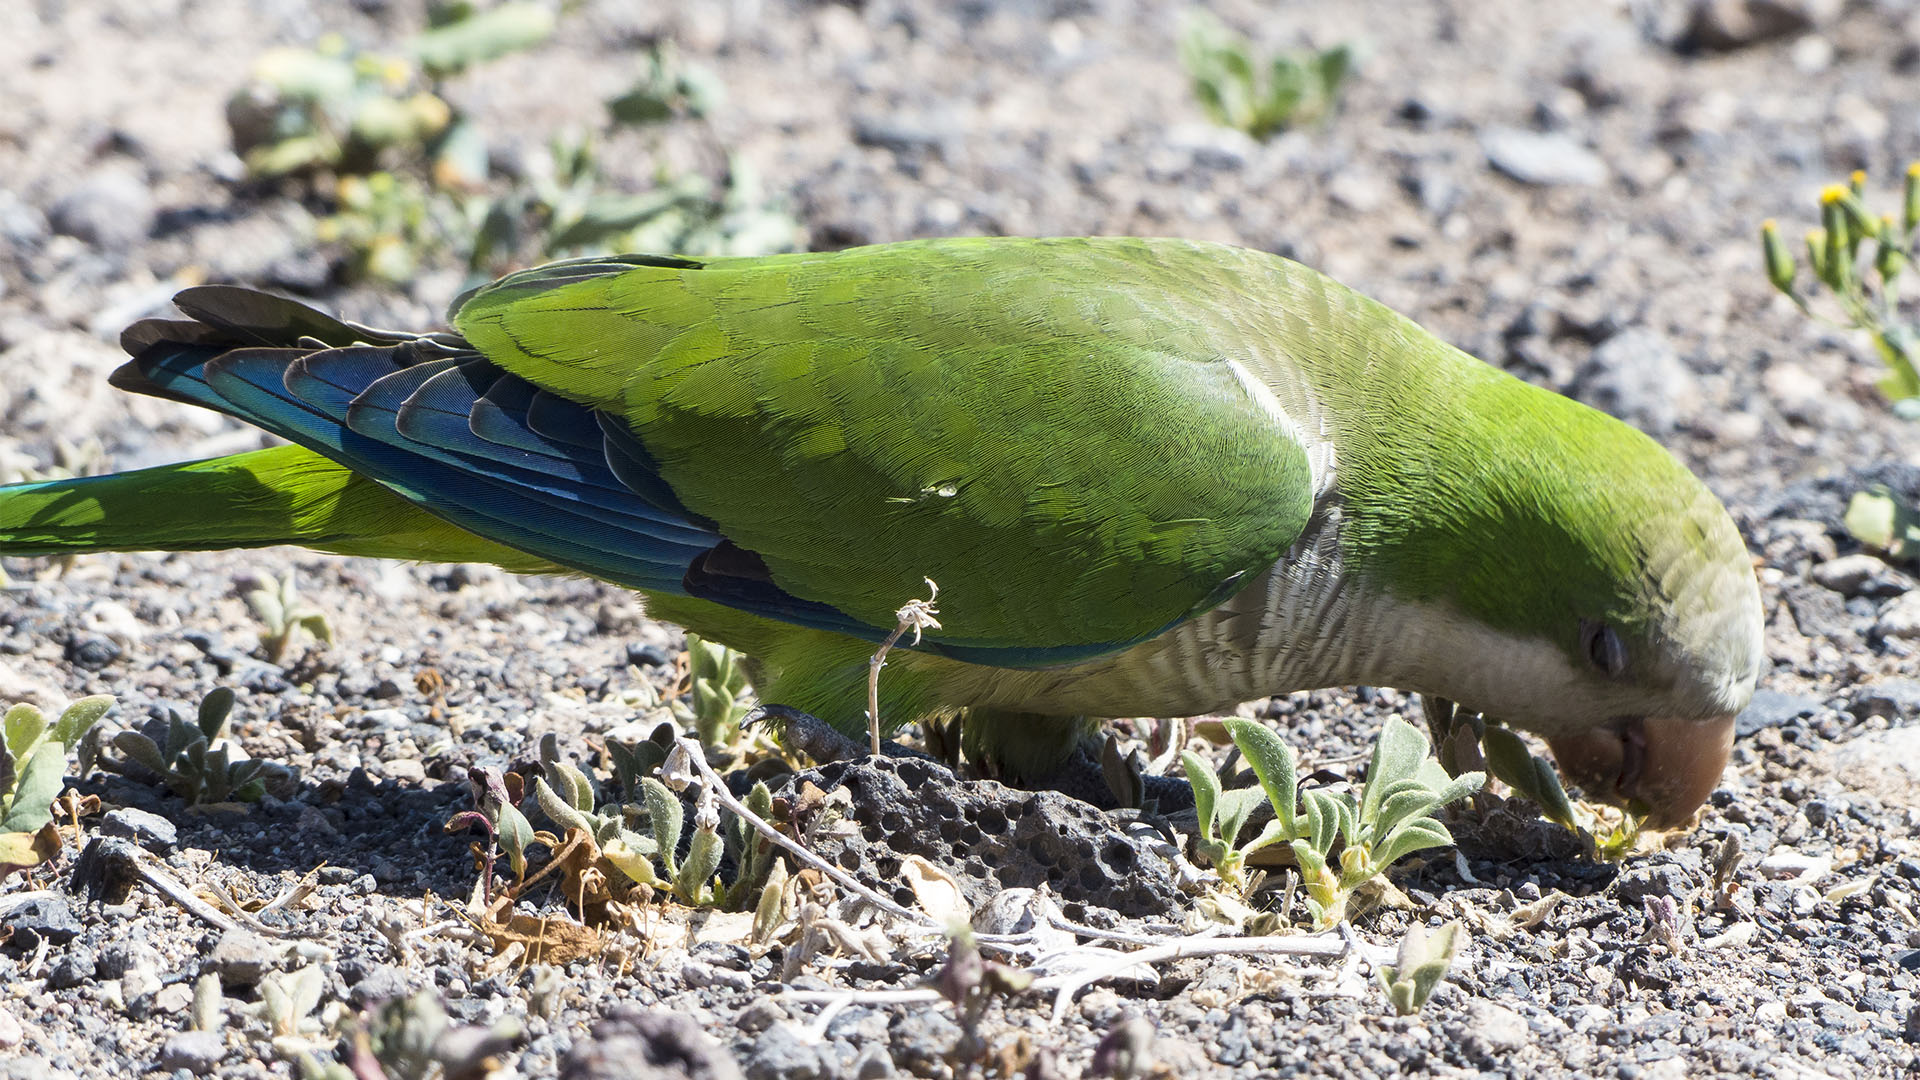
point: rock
(43, 918)
(406, 770)
(22, 226)
(634, 1043)
(1794, 866)
(904, 135)
(1359, 190)
(989, 836)
(1735, 24)
(11, 1033)
(241, 957)
(779, 1054)
(922, 1039)
(1652, 880)
(1882, 764)
(1895, 699)
(150, 831)
(91, 651)
(1022, 911)
(874, 1063)
(76, 968)
(1210, 146)
(111, 210)
(1900, 618)
(647, 655)
(108, 868)
(1438, 192)
(1636, 376)
(1771, 708)
(195, 1051)
(1806, 398)
(1493, 1032)
(1860, 574)
(138, 986)
(760, 1016)
(375, 983)
(698, 975)
(173, 999)
(1821, 612)
(1544, 160)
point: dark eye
(1603, 647)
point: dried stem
(916, 615)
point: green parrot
(1149, 477)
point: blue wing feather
(488, 451)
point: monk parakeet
(1149, 477)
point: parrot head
(1649, 719)
(1573, 580)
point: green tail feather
(282, 495)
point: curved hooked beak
(1666, 766)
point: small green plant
(33, 759)
(1392, 817)
(653, 858)
(1881, 520)
(331, 108)
(1860, 257)
(411, 1038)
(288, 999)
(669, 86)
(196, 761)
(970, 983)
(1422, 962)
(285, 617)
(410, 176)
(719, 691)
(497, 813)
(1239, 91)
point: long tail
(415, 445)
(283, 495)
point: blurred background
(1571, 190)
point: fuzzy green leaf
(1397, 755)
(1416, 835)
(79, 718)
(213, 711)
(1323, 818)
(1206, 793)
(667, 815)
(142, 750)
(515, 832)
(1235, 808)
(39, 783)
(559, 809)
(485, 35)
(1422, 962)
(703, 859)
(24, 725)
(1272, 761)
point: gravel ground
(1569, 190)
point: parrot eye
(1603, 647)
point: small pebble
(150, 831)
(195, 1051)
(241, 957)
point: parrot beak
(1664, 766)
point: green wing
(1055, 432)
